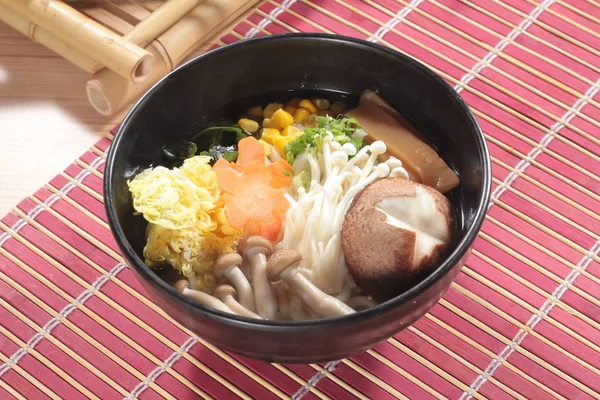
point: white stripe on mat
(158, 371)
(57, 320)
(581, 266)
(544, 142)
(273, 15)
(85, 295)
(392, 23)
(532, 323)
(34, 212)
(511, 37)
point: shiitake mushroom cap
(380, 255)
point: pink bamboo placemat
(521, 321)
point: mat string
(31, 215)
(395, 21)
(544, 142)
(573, 275)
(273, 15)
(57, 320)
(158, 371)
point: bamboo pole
(159, 21)
(21, 24)
(87, 36)
(108, 93)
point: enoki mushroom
(313, 222)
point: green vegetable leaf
(341, 127)
(180, 151)
(302, 180)
(230, 156)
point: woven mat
(521, 321)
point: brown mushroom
(395, 231)
(283, 264)
(228, 294)
(256, 249)
(182, 286)
(227, 266)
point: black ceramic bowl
(265, 69)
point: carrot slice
(281, 174)
(250, 149)
(254, 193)
(221, 164)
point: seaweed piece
(180, 150)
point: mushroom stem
(322, 304)
(239, 309)
(345, 294)
(283, 300)
(361, 303)
(297, 314)
(201, 297)
(228, 294)
(239, 281)
(226, 266)
(264, 299)
(284, 265)
(256, 249)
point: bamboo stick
(86, 35)
(39, 35)
(159, 21)
(108, 92)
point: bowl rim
(460, 249)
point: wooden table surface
(45, 118)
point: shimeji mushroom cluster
(313, 222)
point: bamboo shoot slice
(423, 163)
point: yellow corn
(268, 148)
(291, 131)
(268, 134)
(336, 109)
(269, 123)
(282, 118)
(300, 115)
(290, 109)
(280, 141)
(306, 103)
(255, 112)
(293, 102)
(248, 125)
(311, 121)
(270, 109)
(321, 104)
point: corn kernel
(280, 141)
(269, 123)
(248, 125)
(291, 131)
(282, 118)
(268, 134)
(290, 109)
(311, 121)
(335, 110)
(293, 102)
(255, 112)
(306, 103)
(268, 148)
(321, 104)
(270, 109)
(300, 115)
